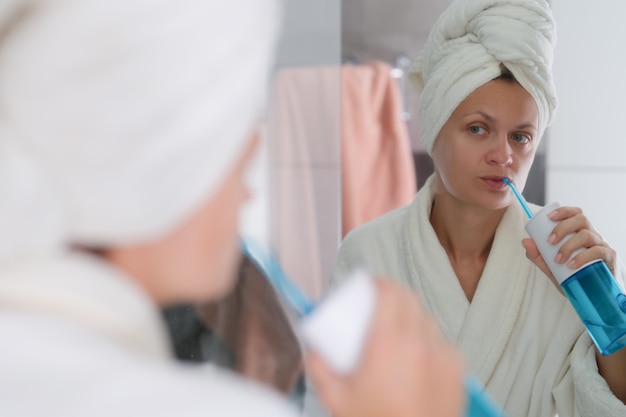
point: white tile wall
(602, 202)
(587, 147)
(311, 33)
(590, 60)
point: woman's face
(205, 254)
(492, 134)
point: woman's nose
(501, 153)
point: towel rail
(399, 71)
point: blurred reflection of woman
(127, 128)
(487, 96)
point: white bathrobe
(519, 335)
(80, 339)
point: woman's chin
(496, 204)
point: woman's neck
(466, 232)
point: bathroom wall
(311, 33)
(586, 163)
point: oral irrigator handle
(337, 328)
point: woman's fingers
(571, 220)
(605, 253)
(327, 383)
(583, 239)
(575, 232)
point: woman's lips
(494, 183)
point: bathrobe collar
(91, 293)
(479, 328)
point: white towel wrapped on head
(119, 118)
(466, 48)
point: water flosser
(337, 329)
(592, 289)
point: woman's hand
(584, 236)
(407, 369)
(572, 221)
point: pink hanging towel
(378, 173)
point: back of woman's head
(118, 118)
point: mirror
(393, 32)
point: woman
(126, 134)
(487, 96)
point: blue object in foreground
(272, 271)
(479, 403)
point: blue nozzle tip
(518, 196)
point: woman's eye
(477, 130)
(521, 138)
